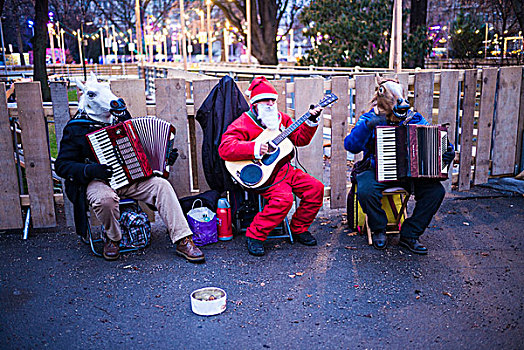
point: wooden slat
(36, 154)
(243, 86)
(485, 125)
(171, 106)
(308, 91)
(506, 121)
(61, 117)
(403, 79)
(134, 94)
(280, 86)
(519, 156)
(364, 90)
(201, 89)
(11, 212)
(339, 130)
(466, 133)
(424, 85)
(447, 109)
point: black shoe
(379, 239)
(305, 238)
(413, 245)
(255, 247)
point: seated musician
(87, 180)
(390, 107)
(238, 143)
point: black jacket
(75, 153)
(223, 105)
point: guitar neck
(284, 134)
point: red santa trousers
(280, 200)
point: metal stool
(92, 240)
(392, 227)
(283, 227)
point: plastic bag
(203, 223)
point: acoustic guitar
(255, 173)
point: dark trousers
(428, 196)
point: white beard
(269, 116)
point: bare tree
(266, 17)
(39, 47)
(518, 7)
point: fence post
(11, 213)
(61, 116)
(36, 154)
(466, 129)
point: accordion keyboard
(386, 148)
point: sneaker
(413, 245)
(255, 247)
(305, 238)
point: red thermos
(225, 231)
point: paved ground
(467, 293)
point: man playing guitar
(239, 144)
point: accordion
(410, 151)
(135, 149)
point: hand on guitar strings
(314, 113)
(264, 148)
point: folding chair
(92, 240)
(393, 226)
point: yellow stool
(393, 226)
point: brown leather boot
(189, 250)
(111, 250)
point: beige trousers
(155, 191)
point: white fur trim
(258, 144)
(259, 97)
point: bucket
(208, 301)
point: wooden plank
(36, 154)
(466, 130)
(280, 86)
(11, 213)
(61, 117)
(365, 86)
(447, 110)
(308, 91)
(134, 94)
(424, 85)
(485, 125)
(519, 156)
(201, 89)
(403, 79)
(243, 86)
(171, 106)
(506, 121)
(339, 130)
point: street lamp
(183, 29)
(209, 43)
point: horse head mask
(390, 99)
(98, 101)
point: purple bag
(203, 223)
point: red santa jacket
(237, 142)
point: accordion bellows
(135, 149)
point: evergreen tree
(355, 33)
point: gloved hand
(98, 171)
(314, 113)
(448, 156)
(172, 156)
(375, 120)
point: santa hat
(261, 89)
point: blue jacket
(362, 139)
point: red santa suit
(237, 144)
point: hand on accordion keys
(98, 171)
(172, 156)
(375, 120)
(449, 155)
